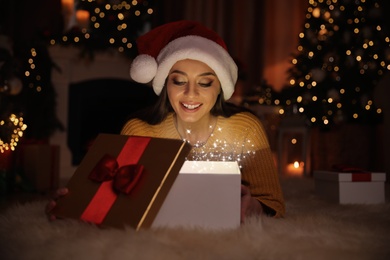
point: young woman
(193, 74)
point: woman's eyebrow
(178, 71)
(202, 74)
(208, 74)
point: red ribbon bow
(124, 178)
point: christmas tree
(342, 54)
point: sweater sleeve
(259, 169)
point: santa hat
(163, 46)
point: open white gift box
(204, 194)
(350, 188)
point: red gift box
(123, 180)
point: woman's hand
(52, 203)
(249, 205)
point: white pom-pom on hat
(143, 68)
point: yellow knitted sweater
(240, 138)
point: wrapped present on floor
(349, 185)
(123, 180)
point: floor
(10, 199)
(21, 196)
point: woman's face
(193, 89)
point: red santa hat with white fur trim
(162, 47)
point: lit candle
(68, 8)
(82, 17)
(295, 168)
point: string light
(16, 127)
(109, 24)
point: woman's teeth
(191, 106)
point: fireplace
(101, 106)
(93, 95)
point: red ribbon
(358, 177)
(358, 174)
(124, 178)
(126, 163)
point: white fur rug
(312, 229)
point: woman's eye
(206, 84)
(179, 83)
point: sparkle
(233, 148)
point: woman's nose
(191, 89)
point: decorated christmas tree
(343, 52)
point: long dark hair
(159, 111)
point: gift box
(205, 195)
(123, 180)
(40, 163)
(350, 187)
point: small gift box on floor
(348, 185)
